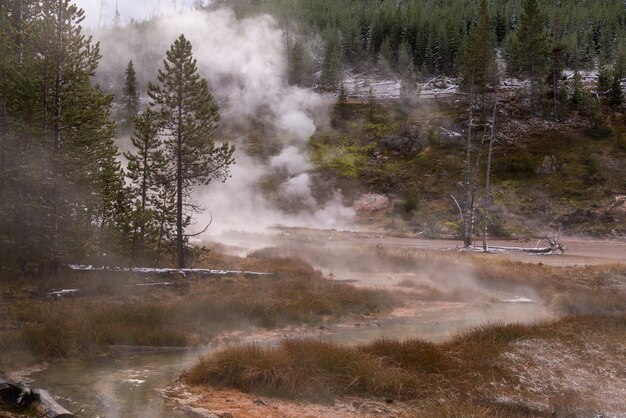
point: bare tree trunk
(488, 177)
(287, 44)
(532, 69)
(467, 239)
(161, 233)
(180, 245)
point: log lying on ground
(18, 395)
(540, 250)
(15, 394)
(46, 406)
(184, 272)
(554, 245)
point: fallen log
(554, 246)
(19, 395)
(184, 272)
(46, 406)
(540, 250)
(15, 394)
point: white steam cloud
(292, 160)
(244, 62)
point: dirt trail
(580, 252)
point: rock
(371, 203)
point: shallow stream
(128, 385)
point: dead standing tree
(472, 174)
(466, 211)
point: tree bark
(488, 177)
(179, 176)
(46, 406)
(19, 395)
(467, 239)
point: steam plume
(245, 64)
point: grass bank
(477, 371)
(112, 309)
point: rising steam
(245, 64)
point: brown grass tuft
(304, 369)
(412, 369)
(191, 310)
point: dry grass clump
(414, 355)
(303, 369)
(407, 370)
(189, 311)
(82, 327)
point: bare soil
(228, 403)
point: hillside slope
(544, 173)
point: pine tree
(187, 115)
(556, 65)
(341, 106)
(23, 241)
(406, 69)
(130, 92)
(77, 130)
(385, 55)
(331, 63)
(604, 78)
(616, 95)
(533, 47)
(478, 63)
(299, 66)
(578, 91)
(145, 168)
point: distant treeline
(437, 30)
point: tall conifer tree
(533, 47)
(478, 64)
(188, 116)
(146, 167)
(130, 92)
